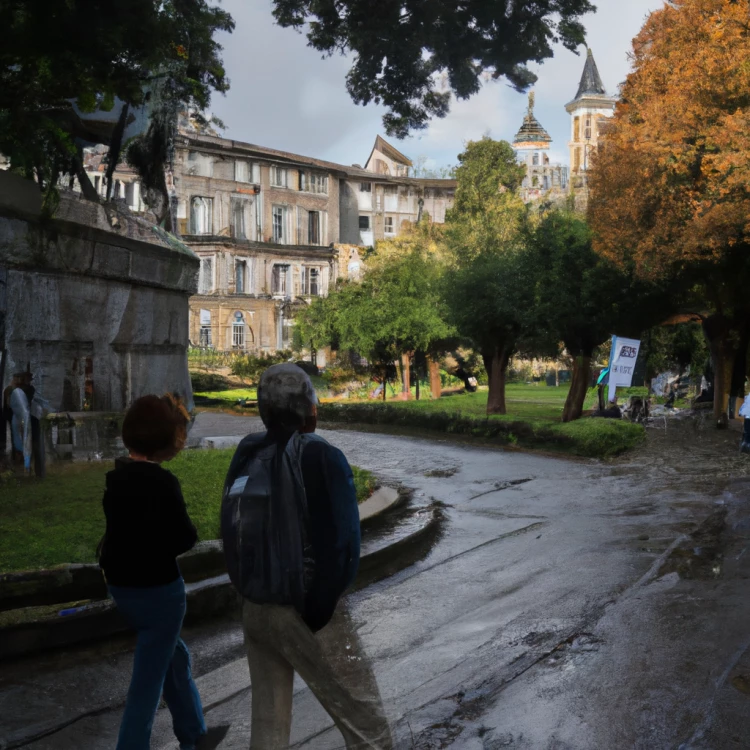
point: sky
(284, 95)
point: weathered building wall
(265, 303)
(96, 301)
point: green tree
(407, 53)
(57, 57)
(395, 309)
(487, 288)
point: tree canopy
(395, 309)
(404, 50)
(94, 52)
(670, 195)
(487, 287)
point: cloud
(284, 95)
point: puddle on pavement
(442, 473)
(701, 556)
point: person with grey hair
(290, 526)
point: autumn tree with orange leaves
(670, 189)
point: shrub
(250, 367)
(595, 438)
(206, 381)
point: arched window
(238, 331)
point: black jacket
(147, 525)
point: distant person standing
(745, 414)
(147, 528)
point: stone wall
(95, 301)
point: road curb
(31, 629)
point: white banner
(622, 361)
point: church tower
(588, 112)
(531, 144)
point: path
(556, 612)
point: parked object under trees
(669, 189)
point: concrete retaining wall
(96, 300)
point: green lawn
(60, 519)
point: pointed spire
(591, 82)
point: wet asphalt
(567, 605)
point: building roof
(248, 149)
(591, 82)
(532, 134)
(384, 147)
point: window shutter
(275, 286)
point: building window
(280, 279)
(365, 187)
(576, 128)
(313, 183)
(204, 334)
(201, 215)
(576, 159)
(240, 275)
(364, 223)
(237, 208)
(313, 223)
(279, 177)
(389, 225)
(279, 224)
(535, 160)
(313, 281)
(238, 331)
(587, 133)
(241, 171)
(206, 276)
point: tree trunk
(578, 388)
(406, 375)
(416, 383)
(496, 363)
(435, 387)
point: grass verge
(594, 438)
(60, 519)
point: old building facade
(274, 229)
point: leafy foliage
(405, 51)
(93, 52)
(488, 290)
(395, 309)
(669, 190)
(250, 367)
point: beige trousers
(331, 662)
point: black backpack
(264, 522)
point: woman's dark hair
(156, 427)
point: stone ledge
(39, 628)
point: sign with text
(622, 361)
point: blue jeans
(162, 663)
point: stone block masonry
(94, 299)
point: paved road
(564, 608)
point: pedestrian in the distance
(147, 528)
(745, 413)
(290, 524)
